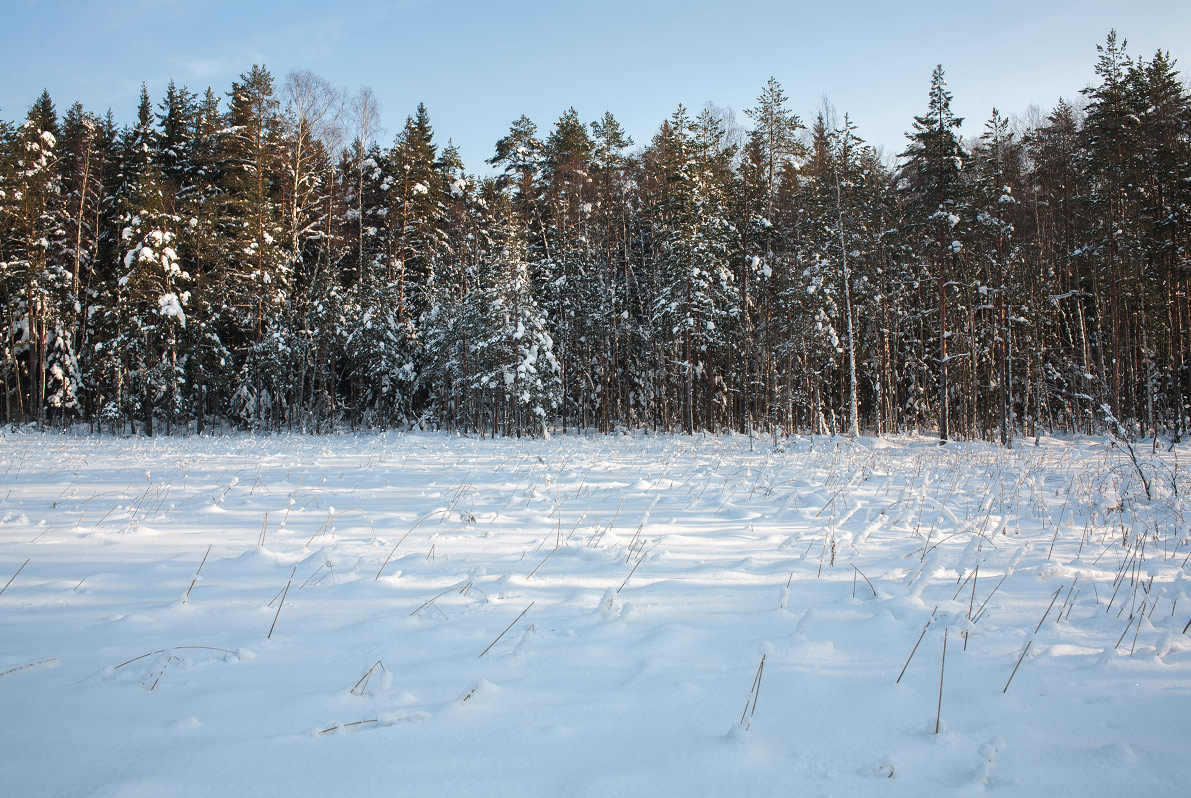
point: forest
(261, 260)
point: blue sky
(479, 65)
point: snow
(426, 614)
(951, 218)
(169, 305)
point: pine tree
(86, 153)
(37, 258)
(849, 230)
(11, 288)
(1058, 285)
(204, 265)
(520, 153)
(774, 139)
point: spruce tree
(141, 355)
(514, 349)
(257, 263)
(417, 196)
(565, 270)
(933, 188)
(606, 313)
(996, 168)
(695, 297)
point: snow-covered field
(433, 615)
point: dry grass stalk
(983, 604)
(293, 571)
(403, 537)
(1122, 637)
(916, 644)
(862, 576)
(754, 694)
(942, 668)
(279, 606)
(543, 562)
(972, 603)
(576, 527)
(640, 559)
(471, 586)
(1136, 631)
(1113, 598)
(331, 519)
(1053, 599)
(618, 506)
(507, 628)
(961, 585)
(435, 598)
(161, 672)
(362, 685)
(323, 565)
(1029, 643)
(174, 648)
(45, 661)
(348, 725)
(14, 576)
(1066, 599)
(196, 575)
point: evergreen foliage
(260, 260)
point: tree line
(261, 260)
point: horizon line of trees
(262, 260)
